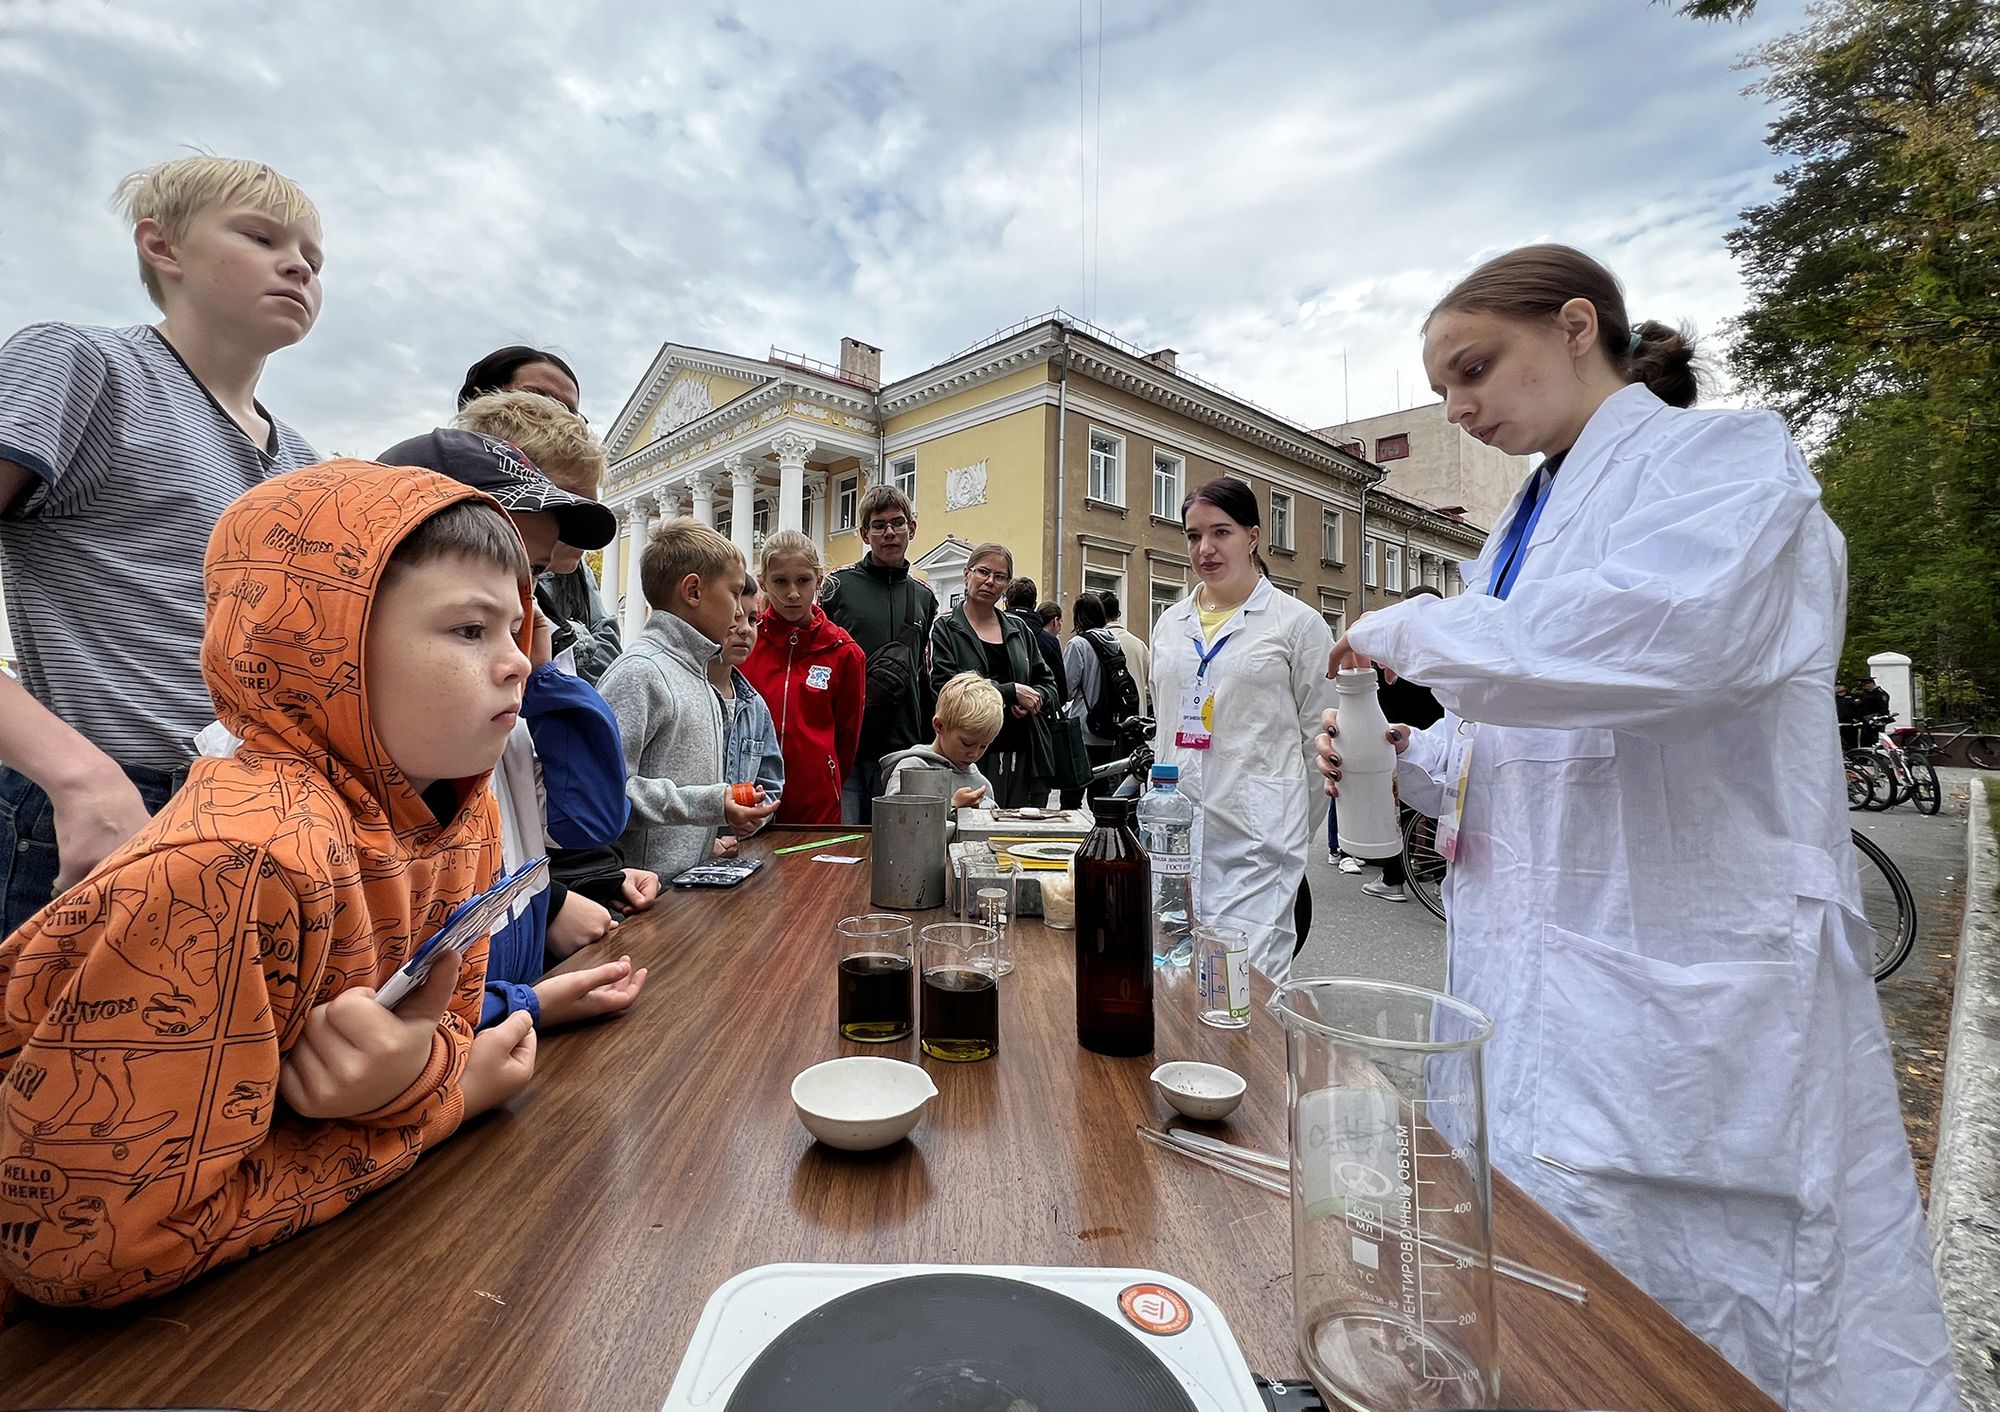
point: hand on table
(641, 889)
(725, 848)
(356, 1055)
(584, 995)
(579, 923)
(501, 1063)
(1329, 755)
(969, 797)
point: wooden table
(558, 1254)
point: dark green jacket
(868, 600)
(956, 648)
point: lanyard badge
(1194, 727)
(1458, 769)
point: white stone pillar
(742, 487)
(816, 489)
(1891, 671)
(611, 582)
(702, 483)
(672, 504)
(635, 593)
(792, 449)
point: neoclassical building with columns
(1054, 437)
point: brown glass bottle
(1114, 952)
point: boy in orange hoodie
(195, 1064)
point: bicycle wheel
(1888, 904)
(1880, 789)
(1423, 865)
(1857, 787)
(1983, 751)
(1925, 792)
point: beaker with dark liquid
(874, 973)
(961, 992)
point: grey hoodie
(671, 723)
(922, 757)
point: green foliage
(1715, 9)
(1874, 314)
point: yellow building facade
(1055, 438)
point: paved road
(1355, 934)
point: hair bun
(1665, 362)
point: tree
(1874, 314)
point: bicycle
(1920, 742)
(1887, 904)
(1908, 778)
(1866, 786)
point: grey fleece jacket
(922, 757)
(671, 723)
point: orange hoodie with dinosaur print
(142, 1139)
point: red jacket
(814, 678)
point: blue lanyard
(1514, 548)
(1205, 658)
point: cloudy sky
(1265, 186)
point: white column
(703, 485)
(609, 583)
(635, 593)
(816, 488)
(672, 504)
(742, 486)
(792, 449)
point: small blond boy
(969, 715)
(119, 449)
(669, 716)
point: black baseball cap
(503, 471)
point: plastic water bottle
(1369, 827)
(1166, 828)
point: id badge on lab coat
(1195, 724)
(1458, 768)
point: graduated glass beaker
(1392, 1207)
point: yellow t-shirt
(1212, 619)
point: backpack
(1117, 694)
(892, 679)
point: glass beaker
(993, 906)
(876, 953)
(1222, 975)
(1392, 1207)
(960, 992)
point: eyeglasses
(986, 575)
(895, 526)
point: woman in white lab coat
(1653, 893)
(1238, 686)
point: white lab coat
(1655, 899)
(1256, 791)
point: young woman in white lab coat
(1239, 681)
(1653, 893)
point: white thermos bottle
(1369, 827)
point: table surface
(559, 1253)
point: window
(1333, 608)
(760, 518)
(806, 516)
(1281, 520)
(1392, 448)
(1332, 538)
(1107, 468)
(903, 475)
(1103, 580)
(1392, 567)
(724, 517)
(1368, 562)
(846, 500)
(1166, 593)
(1167, 494)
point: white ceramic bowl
(1203, 1092)
(861, 1102)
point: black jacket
(956, 648)
(870, 600)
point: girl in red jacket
(812, 675)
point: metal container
(909, 852)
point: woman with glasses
(978, 637)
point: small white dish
(861, 1102)
(1204, 1092)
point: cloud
(1265, 186)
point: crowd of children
(278, 717)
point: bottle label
(1172, 865)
